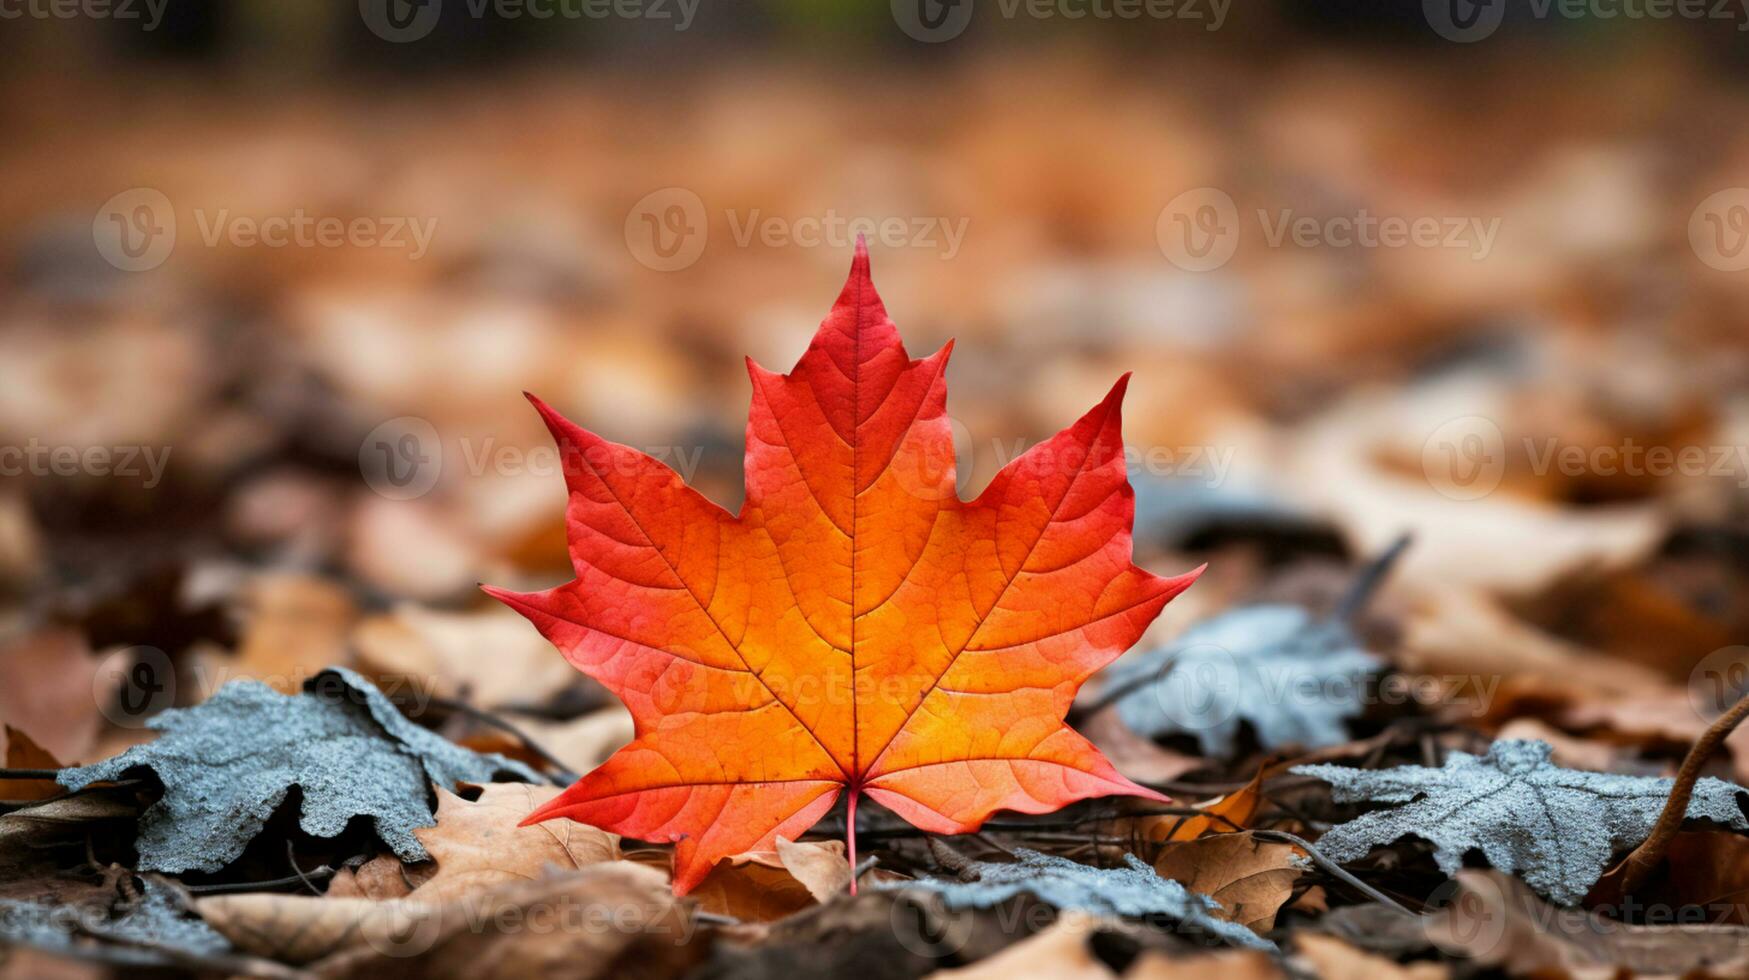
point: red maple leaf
(857, 627)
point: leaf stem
(850, 835)
(1639, 864)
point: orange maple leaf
(857, 627)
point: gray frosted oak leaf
(228, 763)
(1556, 828)
(1135, 890)
(1293, 678)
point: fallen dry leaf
(1332, 959)
(1496, 920)
(1059, 951)
(1250, 878)
(764, 886)
(294, 626)
(771, 658)
(490, 658)
(479, 844)
(23, 753)
(1223, 815)
(50, 690)
(596, 922)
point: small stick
(302, 877)
(1330, 867)
(1639, 864)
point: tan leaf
(1497, 920)
(479, 843)
(1058, 951)
(1232, 964)
(760, 886)
(820, 867)
(1250, 878)
(596, 922)
(23, 753)
(1333, 959)
(49, 691)
(294, 626)
(447, 651)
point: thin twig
(1330, 867)
(292, 858)
(302, 877)
(1639, 864)
(1361, 590)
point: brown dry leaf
(1235, 964)
(1666, 720)
(582, 743)
(820, 867)
(1134, 756)
(478, 845)
(23, 753)
(1332, 959)
(294, 626)
(1251, 878)
(1464, 633)
(50, 690)
(596, 922)
(1344, 465)
(1497, 920)
(1059, 951)
(1705, 870)
(763, 886)
(380, 879)
(491, 658)
(1224, 815)
(1570, 751)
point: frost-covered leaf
(1067, 885)
(1291, 677)
(155, 919)
(1554, 827)
(228, 763)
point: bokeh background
(241, 458)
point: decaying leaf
(600, 921)
(1558, 827)
(228, 763)
(857, 627)
(1292, 678)
(477, 844)
(443, 649)
(1250, 879)
(1332, 959)
(1496, 920)
(1222, 815)
(1134, 890)
(22, 752)
(764, 886)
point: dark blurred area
(275, 275)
